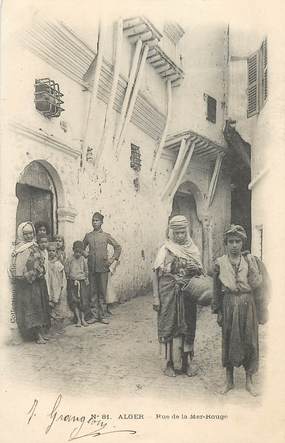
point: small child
(55, 287)
(76, 271)
(60, 248)
(42, 228)
(42, 240)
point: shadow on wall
(126, 294)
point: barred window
(48, 98)
(135, 158)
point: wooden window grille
(135, 158)
(48, 98)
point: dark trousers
(190, 308)
(98, 289)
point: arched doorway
(37, 196)
(184, 204)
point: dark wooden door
(35, 205)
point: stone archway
(63, 214)
(185, 204)
(47, 182)
(189, 201)
(37, 196)
(39, 180)
(191, 188)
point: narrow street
(123, 357)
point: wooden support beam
(175, 141)
(195, 139)
(209, 153)
(170, 71)
(154, 58)
(137, 29)
(176, 83)
(152, 43)
(158, 63)
(214, 179)
(151, 53)
(133, 98)
(204, 149)
(173, 147)
(258, 178)
(171, 77)
(131, 80)
(201, 144)
(143, 37)
(106, 135)
(164, 134)
(183, 170)
(162, 68)
(129, 23)
(87, 132)
(180, 157)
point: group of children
(64, 276)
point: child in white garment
(56, 281)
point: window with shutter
(264, 86)
(252, 91)
(257, 91)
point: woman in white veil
(31, 304)
(177, 261)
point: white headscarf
(21, 243)
(188, 250)
(19, 256)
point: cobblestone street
(123, 357)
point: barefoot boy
(76, 271)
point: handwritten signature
(84, 422)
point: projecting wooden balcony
(204, 148)
(141, 28)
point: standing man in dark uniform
(97, 242)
